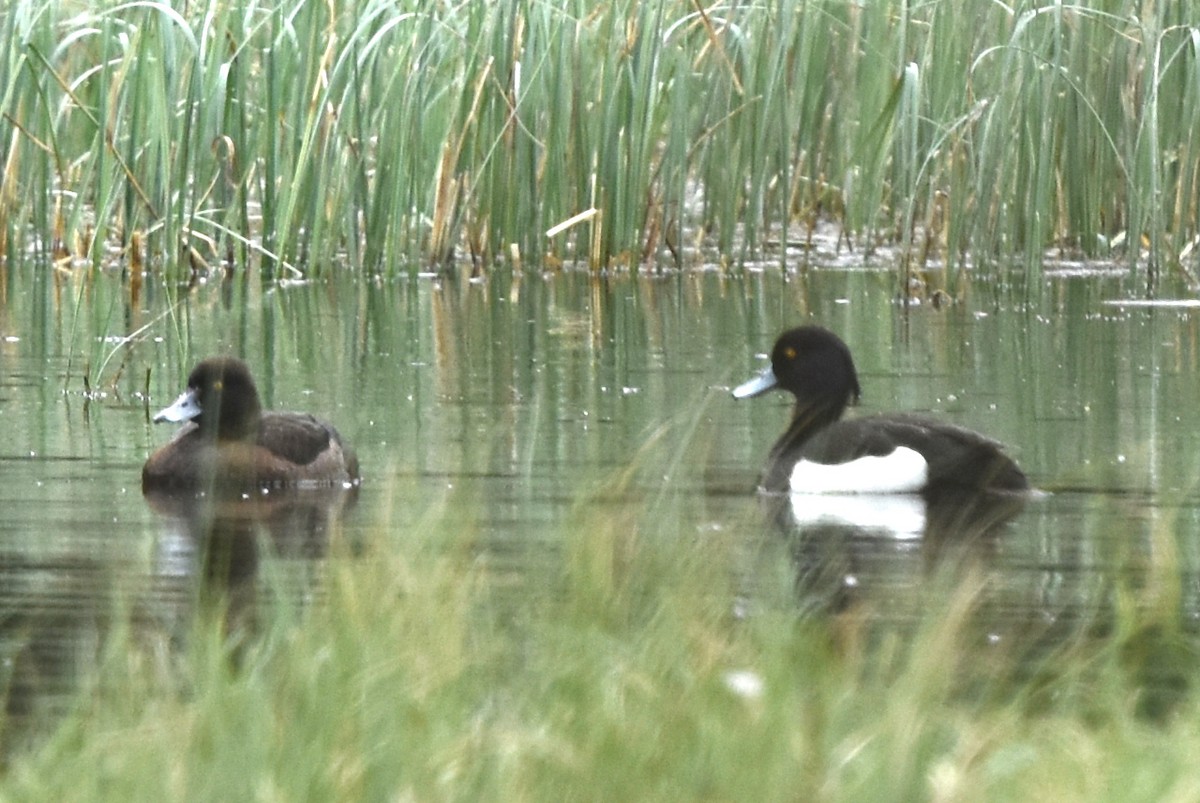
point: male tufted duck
(899, 453)
(228, 442)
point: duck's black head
(220, 398)
(814, 365)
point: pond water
(514, 397)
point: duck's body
(899, 453)
(229, 442)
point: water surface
(513, 398)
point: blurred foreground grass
(657, 663)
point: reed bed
(383, 137)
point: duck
(228, 442)
(898, 453)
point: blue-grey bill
(185, 408)
(759, 384)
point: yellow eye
(789, 353)
(218, 385)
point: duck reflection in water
(880, 555)
(220, 540)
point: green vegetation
(428, 671)
(389, 135)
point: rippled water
(515, 397)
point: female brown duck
(228, 442)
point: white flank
(904, 471)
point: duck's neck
(227, 426)
(808, 418)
